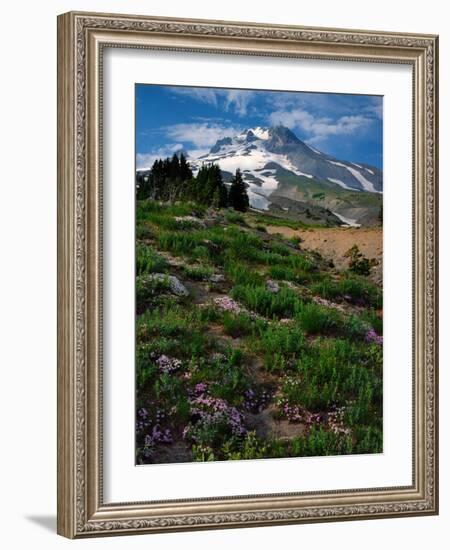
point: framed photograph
(247, 289)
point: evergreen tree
(185, 169)
(209, 188)
(203, 189)
(172, 179)
(174, 168)
(220, 192)
(238, 197)
(167, 180)
(143, 185)
(157, 180)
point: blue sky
(169, 118)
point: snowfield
(367, 185)
(342, 184)
(349, 222)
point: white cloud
(238, 100)
(146, 160)
(205, 95)
(319, 128)
(200, 134)
(375, 108)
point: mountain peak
(252, 134)
(265, 133)
(283, 135)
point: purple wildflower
(167, 365)
(143, 413)
(373, 338)
(256, 402)
(201, 387)
(212, 412)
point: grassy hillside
(248, 346)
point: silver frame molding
(81, 39)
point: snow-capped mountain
(259, 152)
(275, 163)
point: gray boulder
(175, 285)
(272, 286)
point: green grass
(149, 291)
(198, 272)
(241, 324)
(316, 319)
(284, 273)
(241, 273)
(226, 377)
(315, 359)
(143, 231)
(318, 442)
(148, 208)
(337, 372)
(181, 331)
(272, 305)
(266, 220)
(178, 242)
(233, 217)
(225, 246)
(371, 317)
(279, 345)
(149, 261)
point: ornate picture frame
(82, 38)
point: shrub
(359, 264)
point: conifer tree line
(172, 179)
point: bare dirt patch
(332, 243)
